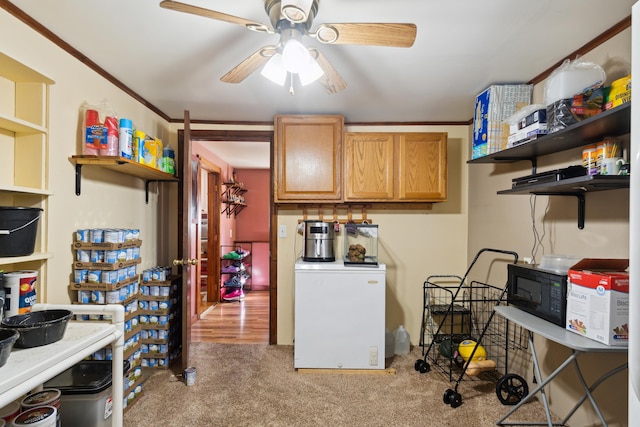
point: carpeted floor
(256, 385)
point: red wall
(252, 223)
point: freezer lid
(337, 265)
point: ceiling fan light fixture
(310, 73)
(274, 70)
(295, 56)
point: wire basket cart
(461, 339)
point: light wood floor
(244, 322)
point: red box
(594, 272)
(598, 300)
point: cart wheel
(511, 389)
(422, 366)
(452, 398)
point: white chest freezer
(339, 320)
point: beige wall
(506, 221)
(108, 199)
(411, 244)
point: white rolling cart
(27, 369)
(578, 345)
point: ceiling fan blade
(372, 34)
(331, 80)
(256, 60)
(207, 13)
(296, 11)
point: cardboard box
(492, 107)
(598, 300)
(527, 134)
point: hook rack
(335, 215)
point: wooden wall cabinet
(396, 167)
(308, 158)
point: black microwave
(542, 293)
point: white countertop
(28, 368)
(24, 364)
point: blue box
(492, 107)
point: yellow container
(150, 153)
(619, 93)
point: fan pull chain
(291, 91)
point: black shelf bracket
(78, 178)
(146, 187)
(581, 204)
(146, 191)
(146, 183)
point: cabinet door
(422, 166)
(308, 158)
(369, 166)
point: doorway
(250, 136)
(209, 237)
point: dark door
(188, 217)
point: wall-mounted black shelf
(578, 184)
(616, 121)
(575, 187)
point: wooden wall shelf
(121, 165)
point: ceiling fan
(292, 19)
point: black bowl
(38, 328)
(7, 339)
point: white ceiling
(240, 154)
(175, 60)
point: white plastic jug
(403, 343)
(389, 344)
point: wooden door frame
(253, 136)
(213, 228)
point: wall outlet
(282, 231)
(373, 356)
(230, 233)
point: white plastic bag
(573, 78)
